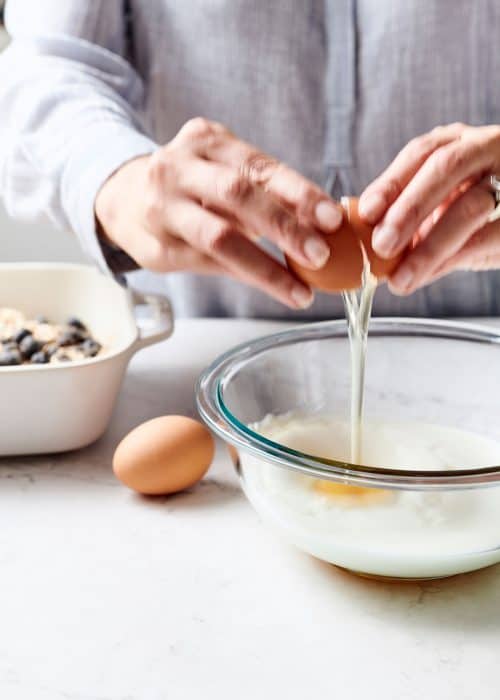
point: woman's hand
(436, 196)
(201, 203)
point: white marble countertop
(105, 595)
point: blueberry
(9, 345)
(70, 337)
(76, 323)
(42, 319)
(90, 347)
(29, 346)
(51, 349)
(10, 357)
(39, 358)
(63, 358)
(20, 335)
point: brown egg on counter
(164, 455)
(344, 267)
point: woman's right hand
(201, 203)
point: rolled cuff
(103, 148)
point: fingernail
(328, 216)
(316, 250)
(301, 296)
(384, 240)
(403, 278)
(371, 207)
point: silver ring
(495, 188)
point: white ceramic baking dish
(53, 408)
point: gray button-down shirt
(333, 87)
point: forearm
(70, 107)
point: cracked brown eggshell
(344, 267)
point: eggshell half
(164, 455)
(344, 267)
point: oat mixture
(39, 341)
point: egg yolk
(359, 495)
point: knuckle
(302, 190)
(235, 188)
(276, 278)
(472, 151)
(447, 129)
(197, 127)
(475, 204)
(219, 128)
(414, 211)
(219, 237)
(392, 189)
(152, 213)
(162, 169)
(156, 168)
(306, 198)
(425, 143)
(427, 253)
(424, 259)
(418, 145)
(202, 131)
(492, 136)
(416, 141)
(408, 217)
(421, 266)
(438, 130)
(283, 224)
(258, 167)
(446, 160)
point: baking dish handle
(156, 323)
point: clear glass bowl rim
(215, 413)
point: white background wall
(21, 241)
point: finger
(428, 224)
(440, 175)
(466, 215)
(168, 253)
(226, 190)
(311, 203)
(199, 132)
(219, 239)
(383, 191)
(481, 252)
(447, 268)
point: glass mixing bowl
(409, 522)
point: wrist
(115, 199)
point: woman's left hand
(437, 196)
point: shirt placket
(340, 94)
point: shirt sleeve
(70, 107)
